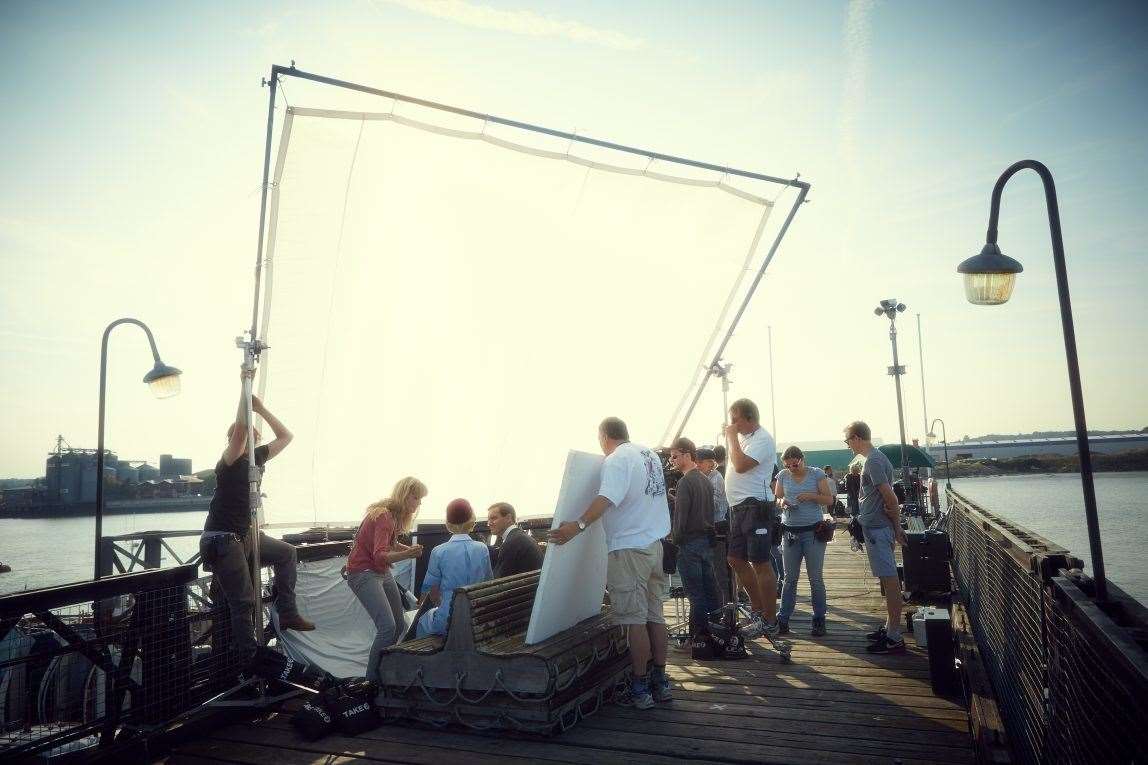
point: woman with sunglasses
(802, 493)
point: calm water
(1053, 506)
(44, 552)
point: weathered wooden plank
(988, 730)
(835, 704)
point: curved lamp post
(164, 383)
(989, 280)
(931, 438)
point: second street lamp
(989, 279)
(931, 438)
(164, 383)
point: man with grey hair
(631, 504)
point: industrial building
(1030, 447)
(173, 467)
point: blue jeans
(696, 568)
(806, 546)
(777, 560)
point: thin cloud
(518, 22)
(858, 27)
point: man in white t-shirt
(752, 454)
(636, 518)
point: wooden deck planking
(835, 703)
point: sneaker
(782, 628)
(636, 695)
(876, 635)
(660, 687)
(818, 627)
(887, 645)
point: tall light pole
(722, 370)
(164, 383)
(931, 438)
(890, 308)
(989, 280)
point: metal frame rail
(82, 661)
(1070, 675)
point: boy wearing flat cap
(456, 563)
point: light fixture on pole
(890, 308)
(989, 280)
(931, 439)
(718, 369)
(164, 383)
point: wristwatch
(581, 525)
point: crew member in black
(517, 552)
(225, 546)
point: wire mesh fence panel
(79, 663)
(1072, 686)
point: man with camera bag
(752, 455)
(880, 518)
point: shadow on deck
(834, 703)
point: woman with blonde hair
(373, 553)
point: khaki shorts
(638, 586)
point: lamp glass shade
(930, 439)
(989, 289)
(163, 381)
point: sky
(131, 149)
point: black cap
(706, 453)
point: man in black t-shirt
(226, 544)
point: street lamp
(931, 438)
(890, 308)
(164, 383)
(989, 279)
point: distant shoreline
(1136, 459)
(118, 507)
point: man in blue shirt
(880, 518)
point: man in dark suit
(517, 552)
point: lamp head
(989, 276)
(163, 380)
(889, 308)
(930, 438)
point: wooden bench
(482, 673)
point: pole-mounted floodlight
(164, 383)
(890, 308)
(989, 279)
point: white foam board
(573, 577)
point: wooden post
(152, 551)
